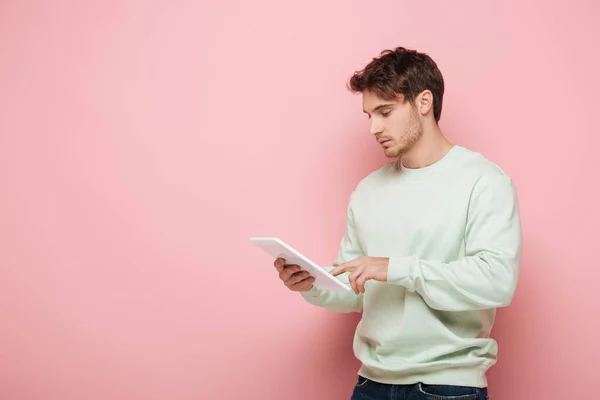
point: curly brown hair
(403, 72)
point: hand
(292, 276)
(363, 269)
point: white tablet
(277, 248)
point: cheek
(396, 126)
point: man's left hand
(363, 269)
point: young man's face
(395, 124)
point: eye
(386, 113)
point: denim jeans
(366, 389)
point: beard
(409, 139)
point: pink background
(142, 143)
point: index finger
(341, 269)
(279, 264)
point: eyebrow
(379, 107)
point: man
(432, 245)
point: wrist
(399, 272)
(312, 292)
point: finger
(297, 277)
(353, 277)
(346, 266)
(360, 282)
(303, 285)
(340, 269)
(288, 271)
(279, 264)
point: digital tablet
(277, 248)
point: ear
(424, 102)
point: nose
(375, 127)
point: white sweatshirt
(452, 232)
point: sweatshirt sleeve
(349, 249)
(486, 277)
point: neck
(431, 147)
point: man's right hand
(291, 275)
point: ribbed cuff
(399, 272)
(313, 292)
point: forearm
(342, 302)
(486, 276)
(484, 280)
